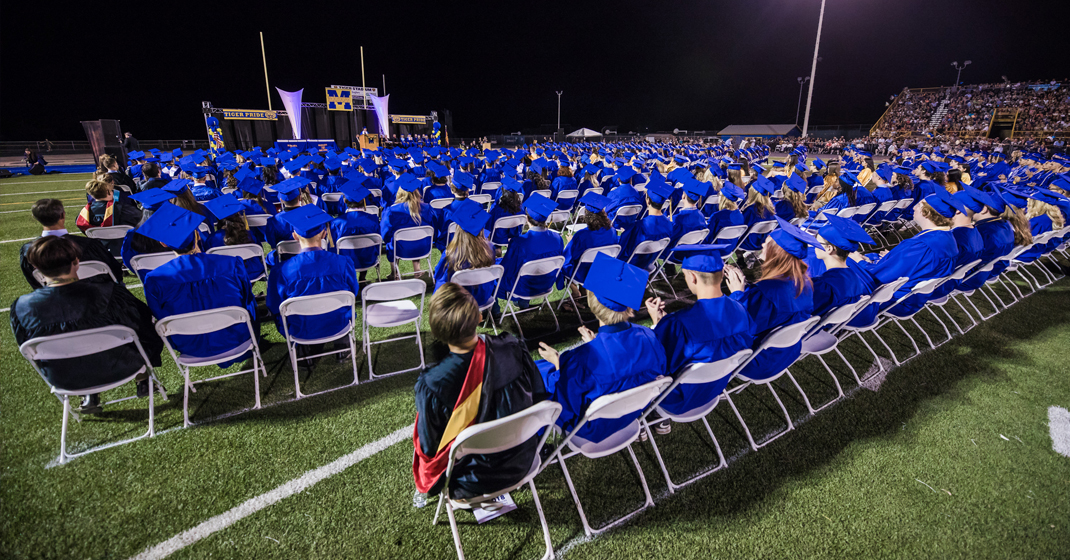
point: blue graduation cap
(196, 171)
(152, 199)
(290, 189)
(438, 169)
(969, 201)
(680, 174)
(944, 203)
(591, 169)
(462, 181)
(307, 221)
(398, 164)
(617, 284)
(471, 218)
(696, 190)
(792, 239)
(702, 258)
(251, 185)
(763, 185)
(795, 183)
(224, 206)
(296, 164)
(332, 164)
(844, 233)
(539, 207)
(172, 226)
(407, 182)
(594, 201)
(177, 152)
(625, 174)
(511, 184)
(354, 191)
(658, 192)
(267, 161)
(166, 158)
(315, 158)
(177, 185)
(730, 191)
(819, 163)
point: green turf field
(949, 457)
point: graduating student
(620, 356)
(712, 329)
(967, 238)
(782, 296)
(460, 185)
(652, 227)
(200, 188)
(623, 195)
(793, 205)
(410, 211)
(134, 243)
(757, 208)
(66, 304)
(440, 187)
(930, 254)
(536, 243)
(563, 182)
(151, 172)
(483, 378)
(312, 271)
(726, 213)
(468, 249)
(840, 283)
(232, 229)
(355, 221)
(195, 281)
(689, 218)
(50, 214)
(292, 196)
(507, 204)
(598, 233)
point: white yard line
(2, 183)
(40, 192)
(27, 209)
(1059, 428)
(253, 505)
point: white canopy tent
(584, 133)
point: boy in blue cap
(292, 196)
(652, 227)
(620, 356)
(195, 281)
(507, 204)
(841, 282)
(997, 236)
(355, 221)
(536, 243)
(232, 229)
(688, 218)
(712, 329)
(598, 233)
(623, 194)
(312, 271)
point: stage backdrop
(292, 101)
(383, 113)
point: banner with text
(244, 115)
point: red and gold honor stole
(427, 470)
(83, 222)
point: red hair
(779, 264)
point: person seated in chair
(467, 250)
(355, 221)
(52, 217)
(652, 227)
(536, 243)
(842, 281)
(483, 378)
(66, 304)
(619, 357)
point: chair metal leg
(456, 533)
(939, 320)
(931, 345)
(542, 521)
(63, 430)
(806, 399)
(575, 497)
(291, 349)
(912, 341)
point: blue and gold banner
(339, 99)
(242, 114)
(408, 119)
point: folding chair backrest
(478, 276)
(244, 251)
(377, 193)
(544, 192)
(595, 190)
(693, 237)
(926, 287)
(509, 222)
(558, 216)
(627, 402)
(505, 433)
(865, 209)
(491, 186)
(540, 267)
(393, 290)
(568, 194)
(629, 210)
(373, 210)
(963, 270)
(202, 322)
(331, 196)
(713, 199)
(440, 203)
(258, 220)
(151, 261)
(887, 205)
(589, 255)
(293, 246)
(650, 247)
(729, 233)
(887, 291)
(842, 314)
(77, 344)
(788, 335)
(203, 228)
(483, 199)
(847, 212)
(762, 228)
(697, 374)
(357, 242)
(904, 203)
(86, 269)
(108, 232)
(317, 304)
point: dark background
(698, 65)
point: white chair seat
(819, 343)
(392, 313)
(692, 415)
(612, 444)
(188, 360)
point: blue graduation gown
(752, 215)
(563, 183)
(720, 220)
(837, 287)
(773, 303)
(930, 254)
(997, 238)
(356, 222)
(784, 210)
(685, 221)
(203, 192)
(624, 195)
(710, 330)
(583, 239)
(331, 184)
(482, 293)
(814, 180)
(310, 272)
(621, 357)
(437, 191)
(535, 244)
(397, 217)
(278, 229)
(970, 246)
(649, 228)
(443, 217)
(1038, 225)
(502, 236)
(195, 283)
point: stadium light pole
(799, 104)
(955, 65)
(559, 109)
(813, 70)
(267, 84)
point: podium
(369, 141)
(105, 137)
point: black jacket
(87, 304)
(92, 250)
(154, 183)
(511, 383)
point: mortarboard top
(730, 191)
(763, 185)
(511, 184)
(196, 171)
(792, 239)
(177, 152)
(795, 183)
(617, 284)
(267, 161)
(152, 198)
(135, 155)
(166, 158)
(244, 173)
(438, 169)
(408, 182)
(224, 206)
(819, 163)
(779, 164)
(591, 169)
(902, 170)
(679, 174)
(332, 164)
(1046, 196)
(538, 207)
(696, 190)
(594, 201)
(228, 165)
(354, 191)
(367, 164)
(757, 168)
(177, 185)
(290, 189)
(472, 218)
(944, 203)
(625, 174)
(251, 185)
(294, 165)
(849, 180)
(462, 181)
(844, 233)
(735, 166)
(701, 258)
(885, 173)
(658, 191)
(491, 155)
(172, 226)
(967, 199)
(307, 221)
(800, 168)
(991, 200)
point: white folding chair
(204, 229)
(625, 211)
(418, 233)
(612, 406)
(881, 295)
(506, 223)
(472, 277)
(257, 220)
(544, 192)
(393, 310)
(568, 195)
(244, 251)
(490, 187)
(865, 210)
(595, 190)
(820, 341)
(730, 235)
(373, 210)
(143, 264)
(689, 238)
(694, 374)
(358, 242)
(558, 217)
(331, 197)
(319, 304)
(586, 258)
(108, 233)
(204, 323)
(86, 269)
(293, 247)
(656, 247)
(540, 267)
(882, 211)
(782, 337)
(497, 436)
(482, 199)
(440, 203)
(940, 302)
(758, 228)
(985, 269)
(885, 317)
(86, 343)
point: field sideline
(948, 457)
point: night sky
(495, 65)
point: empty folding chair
(656, 247)
(473, 277)
(204, 323)
(86, 269)
(392, 310)
(880, 295)
(243, 252)
(541, 267)
(613, 406)
(319, 304)
(87, 343)
(424, 234)
(694, 374)
(143, 264)
(498, 436)
(981, 270)
(782, 337)
(352, 244)
(558, 217)
(585, 259)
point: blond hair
(604, 314)
(98, 189)
(413, 200)
(453, 314)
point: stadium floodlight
(798, 105)
(813, 69)
(955, 65)
(559, 109)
